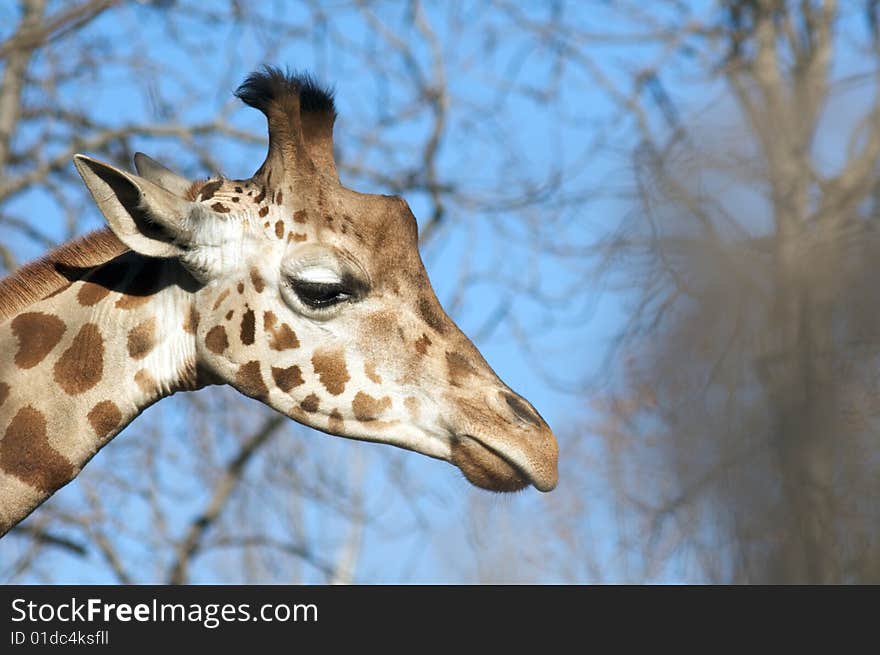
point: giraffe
(297, 291)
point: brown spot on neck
(366, 408)
(37, 335)
(310, 403)
(300, 216)
(331, 369)
(249, 380)
(335, 423)
(142, 339)
(287, 378)
(220, 208)
(216, 339)
(279, 229)
(25, 452)
(263, 211)
(257, 280)
(370, 370)
(82, 365)
(90, 294)
(248, 323)
(259, 197)
(279, 197)
(104, 418)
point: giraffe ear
(146, 217)
(150, 169)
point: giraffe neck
(79, 365)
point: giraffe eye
(319, 287)
(320, 294)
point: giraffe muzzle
(502, 443)
(496, 470)
(520, 451)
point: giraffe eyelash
(319, 295)
(321, 289)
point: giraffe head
(313, 299)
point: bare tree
(741, 424)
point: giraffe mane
(56, 270)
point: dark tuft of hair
(270, 84)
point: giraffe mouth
(487, 468)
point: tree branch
(191, 543)
(42, 536)
(33, 35)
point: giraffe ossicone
(297, 291)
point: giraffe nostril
(522, 409)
